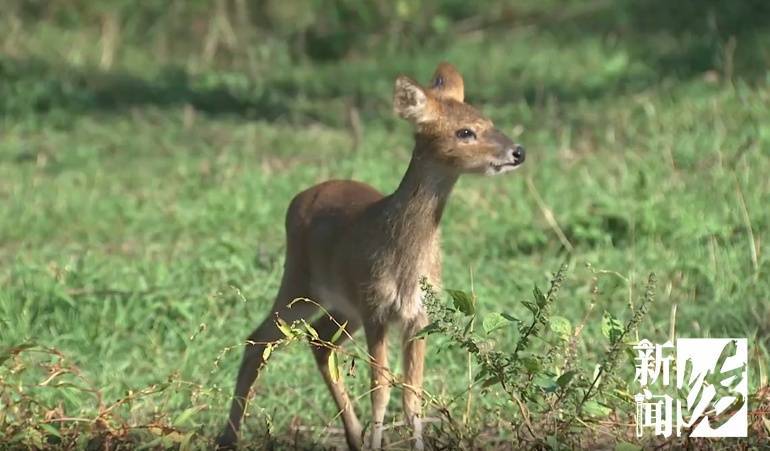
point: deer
(361, 255)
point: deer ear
(447, 83)
(411, 102)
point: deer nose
(518, 154)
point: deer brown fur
(361, 255)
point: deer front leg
(376, 338)
(414, 361)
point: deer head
(451, 132)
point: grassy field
(141, 208)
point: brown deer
(361, 255)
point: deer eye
(465, 133)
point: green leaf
(494, 321)
(531, 364)
(611, 328)
(547, 383)
(338, 334)
(561, 327)
(431, 328)
(50, 430)
(334, 366)
(510, 318)
(490, 381)
(730, 349)
(625, 446)
(531, 307)
(267, 351)
(594, 409)
(311, 330)
(539, 297)
(481, 374)
(284, 328)
(565, 378)
(463, 302)
(183, 418)
(469, 325)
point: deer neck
(413, 212)
(410, 249)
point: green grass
(141, 208)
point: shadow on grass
(680, 39)
(36, 86)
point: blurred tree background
(260, 46)
(232, 32)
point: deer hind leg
(376, 338)
(327, 326)
(414, 361)
(293, 286)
